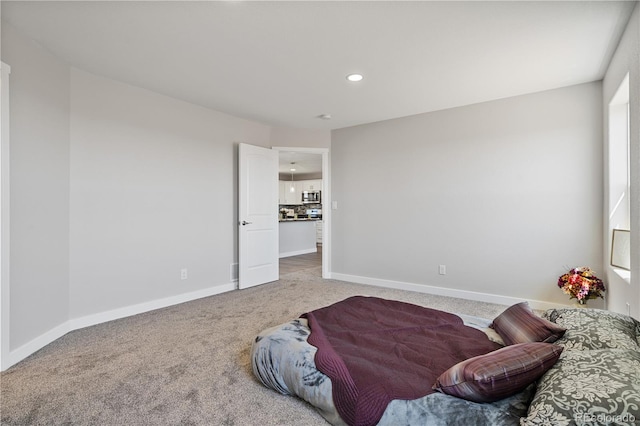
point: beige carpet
(183, 365)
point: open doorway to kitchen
(304, 209)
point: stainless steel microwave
(311, 197)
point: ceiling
(304, 163)
(285, 63)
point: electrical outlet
(183, 274)
(442, 269)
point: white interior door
(257, 216)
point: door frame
(326, 203)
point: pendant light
(293, 169)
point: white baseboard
(298, 252)
(442, 291)
(35, 345)
(140, 308)
(55, 333)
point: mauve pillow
(518, 324)
(498, 374)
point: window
(619, 160)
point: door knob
(244, 222)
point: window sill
(622, 273)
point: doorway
(301, 262)
(312, 163)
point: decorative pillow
(518, 324)
(498, 374)
(595, 329)
(594, 387)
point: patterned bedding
(284, 361)
(597, 379)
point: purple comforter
(376, 350)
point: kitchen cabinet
(283, 187)
(288, 197)
(319, 227)
(312, 185)
(295, 197)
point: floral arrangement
(581, 284)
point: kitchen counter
(297, 236)
(311, 219)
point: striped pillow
(498, 374)
(518, 324)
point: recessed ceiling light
(355, 77)
(324, 116)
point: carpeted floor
(183, 365)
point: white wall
(114, 189)
(625, 60)
(300, 138)
(39, 192)
(506, 194)
(153, 190)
